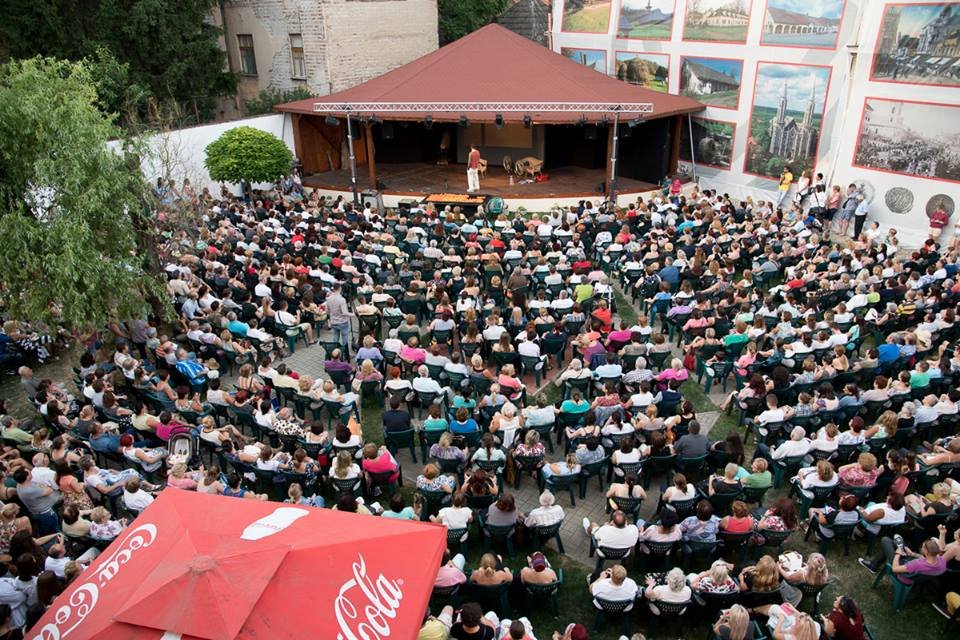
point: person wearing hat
(574, 631)
(538, 570)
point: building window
(297, 60)
(248, 57)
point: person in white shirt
(797, 445)
(456, 516)
(13, 597)
(616, 534)
(425, 384)
(546, 514)
(675, 589)
(134, 497)
(42, 473)
(614, 585)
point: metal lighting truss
(360, 108)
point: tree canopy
(245, 154)
(73, 213)
(457, 18)
(161, 50)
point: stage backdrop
(860, 90)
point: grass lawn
(589, 20)
(648, 32)
(716, 34)
(728, 99)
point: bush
(247, 154)
(269, 98)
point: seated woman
(302, 463)
(180, 478)
(366, 373)
(445, 449)
(503, 512)
(812, 573)
(463, 423)
(845, 620)
(628, 488)
(890, 512)
(506, 423)
(939, 500)
(102, 527)
(948, 454)
(675, 589)
(510, 384)
(615, 426)
(725, 484)
(702, 526)
(209, 432)
(491, 571)
(147, 459)
(862, 473)
(626, 454)
(235, 490)
(716, 579)
(531, 446)
(679, 491)
(488, 450)
(763, 577)
(568, 467)
(665, 530)
(343, 438)
(480, 483)
(432, 480)
(739, 521)
(379, 460)
(782, 516)
(344, 468)
(821, 475)
(435, 421)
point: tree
(245, 154)
(171, 49)
(269, 98)
(70, 207)
(457, 18)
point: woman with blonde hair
(210, 432)
(803, 628)
(716, 579)
(367, 373)
(761, 577)
(491, 571)
(247, 381)
(344, 468)
(733, 624)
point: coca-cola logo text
(372, 620)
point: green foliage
(169, 49)
(118, 92)
(269, 98)
(70, 208)
(457, 18)
(245, 154)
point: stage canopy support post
(676, 139)
(613, 139)
(353, 161)
(371, 162)
(693, 157)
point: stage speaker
(381, 186)
(590, 132)
(387, 131)
(602, 187)
(372, 199)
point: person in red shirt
(473, 169)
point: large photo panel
(712, 142)
(586, 16)
(808, 24)
(717, 20)
(918, 139)
(646, 19)
(712, 81)
(786, 118)
(650, 70)
(918, 44)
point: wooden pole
(371, 162)
(675, 145)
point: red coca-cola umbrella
(202, 566)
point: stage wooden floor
(423, 179)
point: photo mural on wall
(786, 118)
(808, 24)
(650, 70)
(712, 142)
(646, 19)
(918, 44)
(712, 81)
(717, 20)
(586, 16)
(596, 59)
(920, 139)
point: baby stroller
(183, 448)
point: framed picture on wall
(586, 16)
(596, 59)
(786, 118)
(717, 20)
(650, 70)
(646, 19)
(918, 44)
(712, 142)
(909, 138)
(712, 81)
(802, 23)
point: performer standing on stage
(473, 169)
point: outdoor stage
(417, 180)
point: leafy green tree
(269, 98)
(245, 154)
(75, 243)
(169, 48)
(457, 18)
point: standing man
(860, 215)
(340, 315)
(473, 169)
(786, 179)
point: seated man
(423, 383)
(616, 534)
(614, 585)
(195, 371)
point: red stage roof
(493, 64)
(201, 567)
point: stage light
(376, 120)
(464, 122)
(428, 122)
(582, 121)
(635, 122)
(527, 121)
(498, 119)
(330, 120)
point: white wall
(180, 154)
(850, 62)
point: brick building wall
(345, 42)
